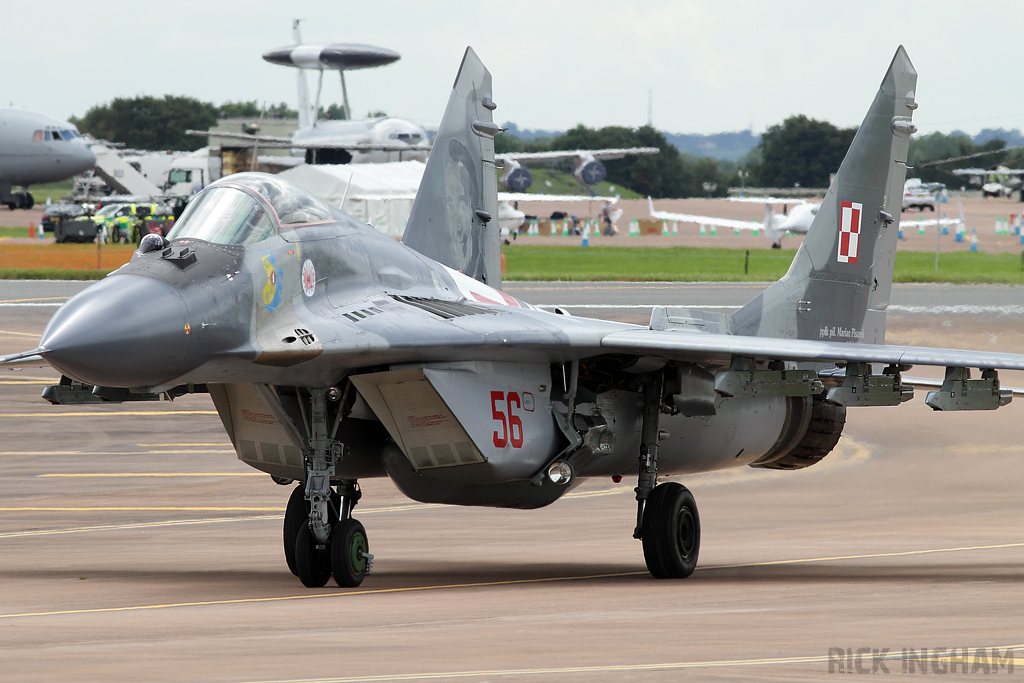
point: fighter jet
(333, 353)
(37, 148)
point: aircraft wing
(526, 197)
(508, 197)
(768, 200)
(264, 140)
(579, 153)
(704, 220)
(273, 142)
(930, 222)
(988, 171)
(690, 346)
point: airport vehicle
(61, 210)
(124, 221)
(192, 172)
(915, 198)
(36, 148)
(333, 353)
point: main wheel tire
(671, 532)
(349, 547)
(295, 516)
(312, 566)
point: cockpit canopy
(246, 208)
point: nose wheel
(350, 557)
(346, 554)
(296, 516)
(312, 562)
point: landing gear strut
(320, 536)
(666, 518)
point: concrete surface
(134, 546)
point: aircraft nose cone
(124, 331)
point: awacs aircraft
(36, 148)
(374, 140)
(797, 221)
(333, 353)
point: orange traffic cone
(32, 230)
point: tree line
(799, 152)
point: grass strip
(692, 264)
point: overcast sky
(712, 66)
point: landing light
(560, 473)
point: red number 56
(511, 424)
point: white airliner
(37, 148)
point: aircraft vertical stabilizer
(454, 217)
(838, 286)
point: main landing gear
(321, 538)
(666, 519)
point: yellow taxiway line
(187, 522)
(481, 584)
(128, 475)
(182, 445)
(144, 508)
(165, 452)
(118, 413)
(38, 298)
(11, 333)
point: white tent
(378, 194)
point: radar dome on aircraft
(337, 56)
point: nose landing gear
(321, 538)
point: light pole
(709, 188)
(743, 176)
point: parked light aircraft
(1002, 181)
(797, 220)
(36, 148)
(373, 140)
(334, 353)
